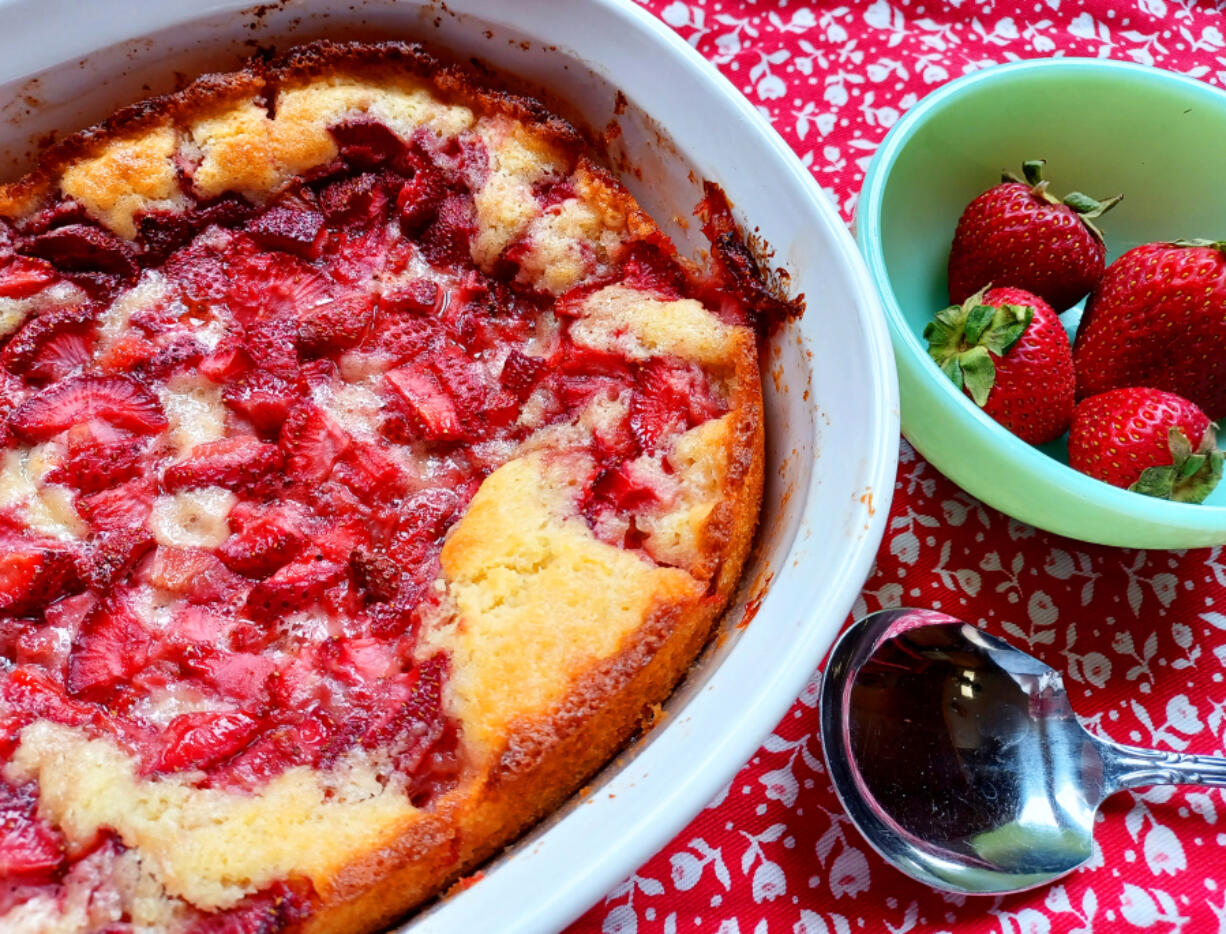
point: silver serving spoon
(959, 757)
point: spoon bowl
(960, 759)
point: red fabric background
(1140, 636)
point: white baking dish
(831, 395)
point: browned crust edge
(547, 758)
(264, 78)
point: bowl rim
(1043, 468)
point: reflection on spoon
(961, 761)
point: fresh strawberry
(1019, 235)
(112, 646)
(311, 443)
(97, 465)
(197, 740)
(1007, 350)
(261, 398)
(239, 462)
(115, 399)
(1148, 441)
(28, 846)
(24, 276)
(1158, 319)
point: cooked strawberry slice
(366, 143)
(24, 276)
(521, 373)
(269, 342)
(179, 570)
(371, 472)
(175, 356)
(33, 692)
(261, 398)
(273, 285)
(398, 339)
(280, 907)
(62, 356)
(336, 326)
(85, 248)
(126, 354)
(96, 465)
(22, 349)
(28, 846)
(311, 443)
(121, 507)
(198, 740)
(239, 462)
(31, 576)
(115, 399)
(446, 239)
(428, 405)
(112, 646)
(420, 198)
(417, 297)
(239, 676)
(360, 200)
(294, 586)
(225, 364)
(376, 573)
(668, 400)
(263, 544)
(293, 231)
(415, 724)
(265, 758)
(111, 555)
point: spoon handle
(1131, 766)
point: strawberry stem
(1087, 208)
(963, 338)
(1190, 477)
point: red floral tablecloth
(1140, 636)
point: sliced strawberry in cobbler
(246, 410)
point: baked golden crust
(542, 701)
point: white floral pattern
(1140, 636)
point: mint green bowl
(1103, 127)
